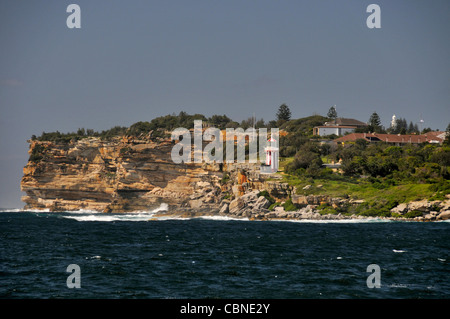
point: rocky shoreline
(252, 206)
(137, 174)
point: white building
(333, 129)
(339, 127)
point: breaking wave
(89, 216)
(92, 215)
(339, 221)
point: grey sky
(135, 60)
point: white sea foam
(221, 218)
(398, 286)
(337, 221)
(21, 210)
(89, 215)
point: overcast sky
(135, 60)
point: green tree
(284, 113)
(401, 127)
(447, 135)
(307, 158)
(332, 113)
(375, 123)
(81, 132)
(219, 121)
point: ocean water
(135, 256)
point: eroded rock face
(114, 176)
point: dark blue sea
(133, 256)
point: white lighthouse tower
(272, 158)
(394, 122)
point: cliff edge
(122, 174)
(131, 174)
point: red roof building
(430, 137)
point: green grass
(361, 189)
(380, 194)
(335, 185)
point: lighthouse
(394, 122)
(271, 164)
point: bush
(35, 158)
(412, 214)
(272, 207)
(289, 206)
(140, 127)
(225, 178)
(326, 209)
(371, 212)
(37, 153)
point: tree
(375, 123)
(307, 158)
(81, 132)
(332, 113)
(413, 128)
(402, 126)
(219, 121)
(447, 135)
(284, 113)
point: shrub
(326, 209)
(412, 214)
(289, 206)
(271, 207)
(225, 178)
(37, 153)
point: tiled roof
(343, 121)
(336, 126)
(393, 138)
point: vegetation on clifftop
(381, 174)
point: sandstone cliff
(131, 174)
(124, 174)
(137, 174)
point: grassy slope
(379, 197)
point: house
(333, 129)
(339, 127)
(395, 139)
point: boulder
(224, 209)
(236, 205)
(196, 203)
(250, 197)
(400, 209)
(261, 203)
(271, 215)
(280, 212)
(357, 201)
(210, 197)
(247, 212)
(444, 215)
(421, 205)
(445, 205)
